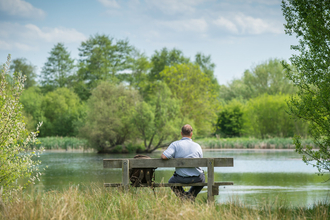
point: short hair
(186, 129)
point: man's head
(186, 131)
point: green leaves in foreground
(15, 162)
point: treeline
(116, 96)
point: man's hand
(164, 157)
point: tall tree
(158, 119)
(309, 21)
(198, 95)
(22, 66)
(59, 66)
(161, 59)
(109, 117)
(101, 58)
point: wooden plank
(177, 162)
(210, 179)
(125, 174)
(216, 184)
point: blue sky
(238, 34)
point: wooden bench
(210, 163)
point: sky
(238, 34)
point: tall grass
(94, 202)
(250, 143)
(51, 143)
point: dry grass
(94, 202)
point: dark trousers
(194, 190)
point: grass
(51, 143)
(95, 202)
(250, 143)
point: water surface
(258, 175)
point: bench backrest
(177, 162)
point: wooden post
(210, 179)
(125, 173)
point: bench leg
(210, 180)
(125, 173)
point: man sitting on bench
(185, 148)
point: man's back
(185, 148)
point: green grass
(250, 143)
(51, 143)
(96, 202)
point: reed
(250, 143)
(51, 143)
(95, 202)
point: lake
(258, 175)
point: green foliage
(267, 116)
(196, 92)
(31, 100)
(51, 143)
(165, 58)
(109, 116)
(101, 58)
(158, 119)
(309, 21)
(58, 68)
(15, 162)
(61, 109)
(21, 66)
(250, 143)
(230, 119)
(268, 77)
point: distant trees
(101, 58)
(268, 77)
(58, 68)
(21, 65)
(230, 120)
(115, 95)
(158, 119)
(109, 116)
(196, 92)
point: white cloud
(196, 25)
(61, 34)
(29, 37)
(21, 8)
(242, 24)
(175, 6)
(109, 3)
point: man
(185, 148)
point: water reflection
(258, 175)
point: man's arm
(164, 157)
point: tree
(309, 21)
(15, 162)
(158, 119)
(266, 116)
(31, 100)
(21, 66)
(109, 117)
(101, 58)
(267, 77)
(230, 119)
(57, 69)
(163, 58)
(61, 109)
(196, 92)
